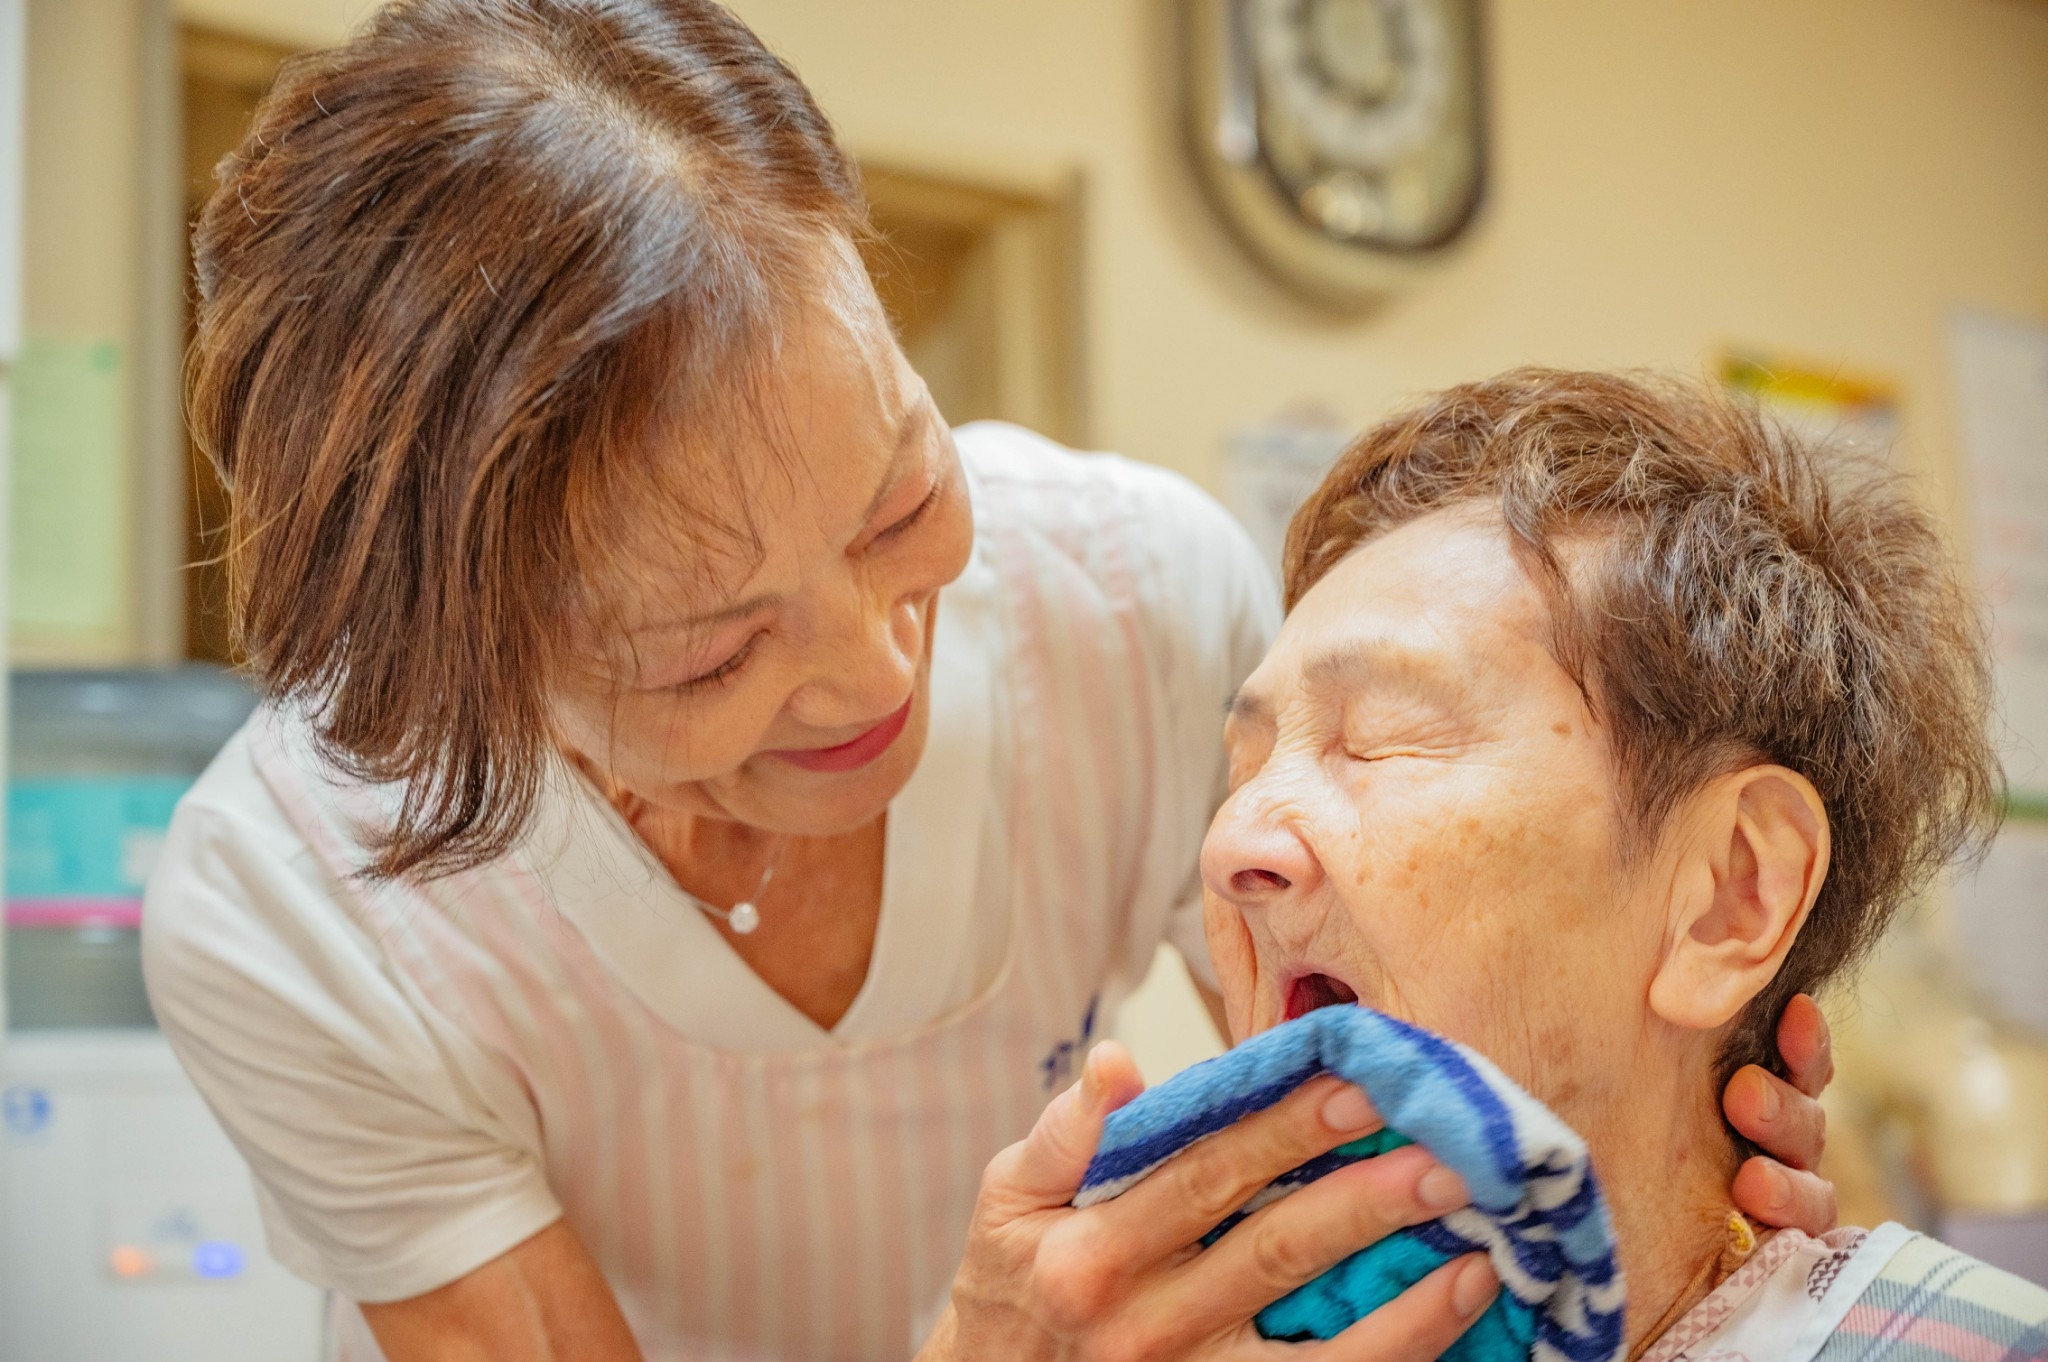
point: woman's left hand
(1784, 1119)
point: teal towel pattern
(1536, 1207)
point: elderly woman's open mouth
(1308, 992)
(1595, 698)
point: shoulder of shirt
(232, 788)
(1128, 556)
(1923, 1265)
(1091, 506)
(231, 826)
(1025, 475)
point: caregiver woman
(703, 810)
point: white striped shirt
(422, 1076)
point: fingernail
(1474, 1288)
(1778, 1193)
(1091, 1081)
(1440, 1189)
(1771, 1103)
(1346, 1111)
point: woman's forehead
(1438, 604)
(1444, 582)
(706, 530)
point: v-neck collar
(605, 880)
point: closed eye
(1381, 754)
(722, 673)
(923, 508)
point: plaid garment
(1886, 1295)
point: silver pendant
(743, 919)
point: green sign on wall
(68, 543)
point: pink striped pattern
(814, 1205)
(1948, 1340)
(1886, 1295)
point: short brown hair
(1743, 595)
(461, 269)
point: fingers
(1196, 1189)
(1785, 1197)
(1420, 1323)
(1045, 1168)
(1302, 1236)
(1782, 1120)
(1807, 1045)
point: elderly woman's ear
(1752, 854)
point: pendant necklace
(745, 916)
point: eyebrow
(1344, 667)
(1248, 707)
(710, 618)
(1348, 666)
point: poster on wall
(1270, 468)
(2000, 932)
(1858, 413)
(67, 515)
(2001, 378)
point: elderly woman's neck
(1665, 1163)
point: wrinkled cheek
(1236, 962)
(676, 744)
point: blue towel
(1536, 1207)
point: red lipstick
(850, 756)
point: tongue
(1313, 991)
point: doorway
(983, 284)
(223, 78)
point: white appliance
(128, 1227)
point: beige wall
(1821, 178)
(303, 23)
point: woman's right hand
(1127, 1279)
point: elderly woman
(1607, 719)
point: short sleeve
(383, 1160)
(1213, 610)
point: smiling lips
(850, 756)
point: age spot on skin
(1555, 1047)
(1473, 837)
(1561, 728)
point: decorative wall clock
(1342, 140)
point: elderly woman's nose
(1255, 848)
(864, 668)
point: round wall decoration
(1342, 140)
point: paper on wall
(1269, 470)
(2001, 373)
(1855, 413)
(2001, 924)
(67, 542)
